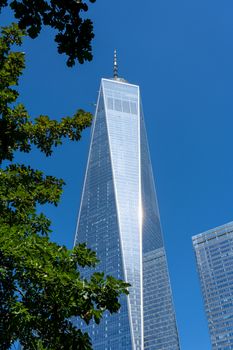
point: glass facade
(160, 331)
(119, 219)
(214, 256)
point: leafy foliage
(41, 286)
(18, 132)
(74, 33)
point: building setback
(119, 219)
(214, 256)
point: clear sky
(181, 54)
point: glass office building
(214, 256)
(119, 219)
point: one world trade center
(119, 220)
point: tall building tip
(115, 65)
(115, 68)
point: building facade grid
(214, 256)
(119, 219)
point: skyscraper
(214, 256)
(119, 219)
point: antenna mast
(115, 66)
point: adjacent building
(214, 256)
(119, 219)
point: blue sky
(181, 54)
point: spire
(115, 66)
